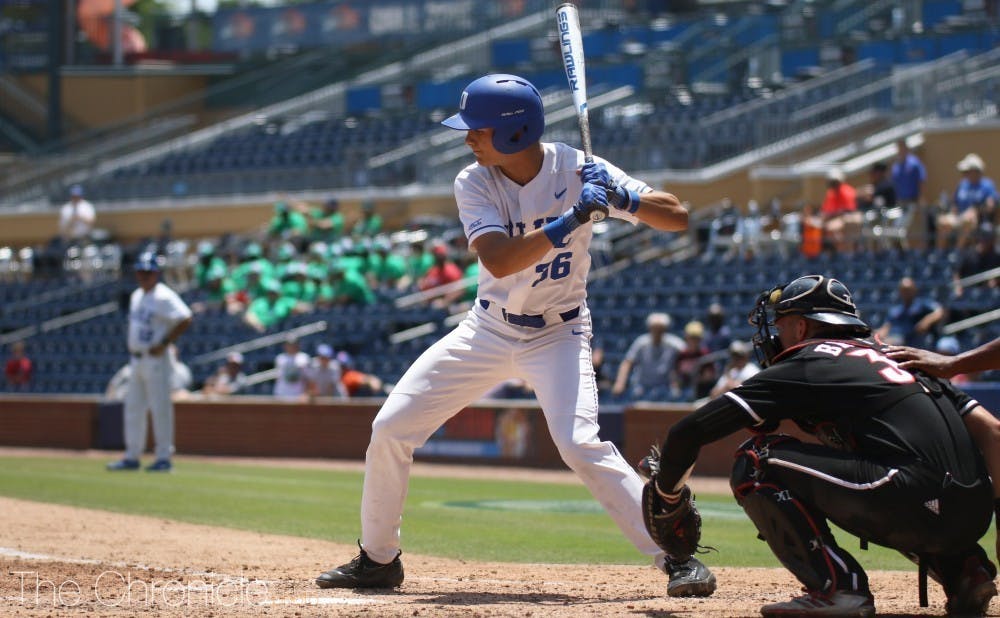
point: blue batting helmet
(147, 262)
(506, 103)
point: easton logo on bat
(567, 47)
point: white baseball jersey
(292, 370)
(488, 201)
(533, 326)
(152, 315)
(76, 220)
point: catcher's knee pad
(797, 539)
(751, 462)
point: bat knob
(598, 214)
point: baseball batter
(525, 206)
(157, 317)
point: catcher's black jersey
(852, 396)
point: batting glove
(618, 196)
(592, 206)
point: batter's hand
(914, 359)
(593, 204)
(619, 197)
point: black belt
(532, 321)
(138, 354)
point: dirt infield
(60, 560)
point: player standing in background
(525, 206)
(895, 466)
(157, 317)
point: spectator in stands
(326, 222)
(268, 310)
(218, 293)
(811, 232)
(975, 200)
(908, 176)
(749, 230)
(879, 193)
(208, 262)
(76, 218)
(738, 369)
(717, 333)
(385, 269)
(841, 219)
(419, 262)
(443, 272)
(324, 376)
(982, 257)
(694, 375)
(370, 223)
(358, 383)
(19, 370)
(652, 355)
(288, 224)
(298, 286)
(910, 320)
(292, 366)
(252, 259)
(344, 287)
(723, 228)
(229, 379)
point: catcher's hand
(675, 528)
(675, 525)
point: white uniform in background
(533, 325)
(152, 315)
(292, 369)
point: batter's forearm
(504, 255)
(662, 211)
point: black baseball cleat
(363, 572)
(972, 593)
(689, 578)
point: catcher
(895, 465)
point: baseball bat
(571, 45)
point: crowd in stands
(309, 257)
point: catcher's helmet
(816, 297)
(508, 104)
(147, 262)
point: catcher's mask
(815, 297)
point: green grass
(324, 504)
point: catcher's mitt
(674, 527)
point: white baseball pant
(149, 389)
(456, 371)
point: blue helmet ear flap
(508, 104)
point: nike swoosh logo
(577, 332)
(559, 194)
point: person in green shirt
(316, 267)
(350, 256)
(326, 222)
(207, 263)
(252, 259)
(385, 269)
(265, 312)
(344, 287)
(285, 255)
(287, 223)
(369, 224)
(419, 262)
(299, 286)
